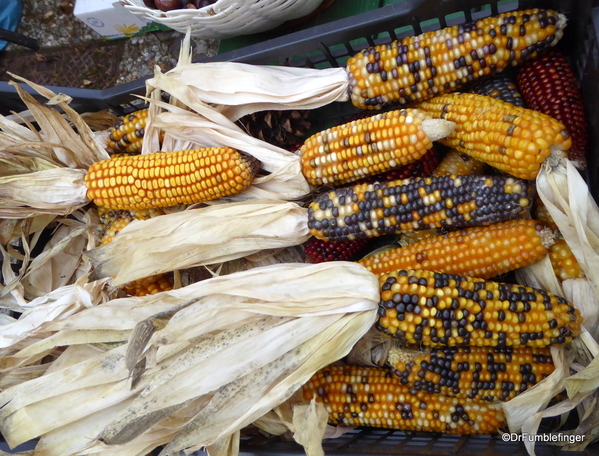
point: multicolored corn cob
(436, 309)
(370, 396)
(512, 139)
(319, 251)
(127, 136)
(369, 146)
(479, 373)
(482, 252)
(421, 67)
(371, 210)
(168, 179)
(456, 163)
(565, 265)
(501, 87)
(548, 85)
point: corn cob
(423, 167)
(512, 139)
(112, 221)
(319, 251)
(168, 179)
(542, 214)
(564, 263)
(150, 285)
(369, 146)
(421, 67)
(437, 309)
(502, 87)
(479, 373)
(482, 252)
(548, 85)
(456, 163)
(370, 210)
(127, 136)
(370, 396)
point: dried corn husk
(275, 326)
(190, 238)
(566, 196)
(203, 126)
(238, 89)
(46, 310)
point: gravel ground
(74, 55)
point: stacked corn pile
(134, 370)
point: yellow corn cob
(370, 396)
(480, 373)
(168, 179)
(365, 147)
(564, 262)
(455, 163)
(513, 139)
(127, 136)
(420, 67)
(482, 252)
(150, 285)
(438, 309)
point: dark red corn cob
(319, 251)
(548, 85)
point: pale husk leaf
(206, 127)
(317, 293)
(276, 383)
(85, 149)
(57, 191)
(55, 266)
(371, 350)
(241, 89)
(45, 310)
(227, 446)
(570, 204)
(209, 235)
(310, 422)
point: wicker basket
(227, 18)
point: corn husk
(275, 326)
(43, 171)
(566, 196)
(191, 238)
(238, 89)
(46, 310)
(202, 126)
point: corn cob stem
(369, 396)
(371, 210)
(512, 139)
(437, 309)
(421, 67)
(480, 373)
(482, 252)
(167, 179)
(369, 146)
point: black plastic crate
(330, 45)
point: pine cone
(280, 128)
